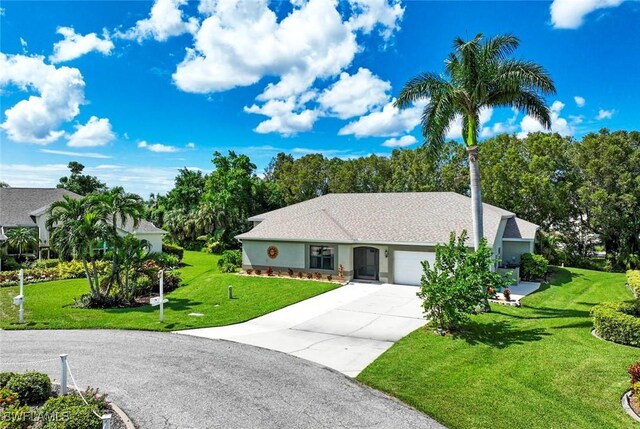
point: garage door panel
(407, 267)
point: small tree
(22, 238)
(456, 284)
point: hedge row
(633, 280)
(618, 322)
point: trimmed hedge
(533, 267)
(633, 280)
(173, 250)
(618, 322)
(32, 387)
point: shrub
(249, 271)
(309, 276)
(341, 271)
(79, 415)
(318, 276)
(32, 387)
(142, 285)
(269, 271)
(16, 417)
(164, 260)
(634, 372)
(173, 249)
(618, 322)
(172, 281)
(329, 277)
(635, 388)
(300, 275)
(230, 258)
(9, 263)
(75, 269)
(45, 263)
(258, 271)
(533, 267)
(290, 271)
(633, 280)
(4, 378)
(506, 293)
(8, 398)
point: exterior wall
(513, 249)
(498, 244)
(154, 239)
(43, 232)
(345, 258)
(290, 255)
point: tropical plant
(76, 227)
(478, 75)
(454, 285)
(22, 238)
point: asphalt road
(174, 381)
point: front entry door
(366, 263)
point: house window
(321, 257)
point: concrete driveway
(345, 329)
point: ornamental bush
(618, 322)
(173, 249)
(16, 417)
(634, 372)
(31, 387)
(230, 261)
(633, 280)
(8, 398)
(533, 267)
(70, 411)
(4, 378)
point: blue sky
(135, 90)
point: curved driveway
(175, 381)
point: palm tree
(76, 227)
(477, 75)
(22, 238)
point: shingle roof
(17, 205)
(520, 228)
(408, 217)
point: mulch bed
(634, 402)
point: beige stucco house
(376, 237)
(28, 207)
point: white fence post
(161, 274)
(63, 374)
(21, 311)
(106, 421)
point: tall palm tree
(22, 238)
(477, 75)
(121, 207)
(76, 226)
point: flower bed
(299, 275)
(29, 400)
(64, 270)
(618, 322)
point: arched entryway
(366, 263)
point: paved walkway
(345, 329)
(521, 290)
(176, 381)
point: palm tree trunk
(89, 280)
(476, 196)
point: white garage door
(407, 268)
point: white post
(230, 292)
(161, 275)
(21, 311)
(106, 421)
(63, 374)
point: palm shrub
(22, 238)
(453, 286)
(479, 74)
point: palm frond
(499, 47)
(420, 87)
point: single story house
(376, 236)
(28, 207)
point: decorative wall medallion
(272, 252)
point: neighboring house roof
(517, 228)
(20, 206)
(425, 218)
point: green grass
(537, 366)
(204, 290)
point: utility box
(18, 300)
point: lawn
(204, 290)
(537, 366)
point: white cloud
(388, 122)
(558, 124)
(96, 132)
(75, 154)
(24, 44)
(369, 14)
(139, 179)
(569, 14)
(605, 114)
(157, 147)
(354, 95)
(580, 101)
(165, 20)
(286, 117)
(76, 45)
(403, 141)
(36, 119)
(191, 145)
